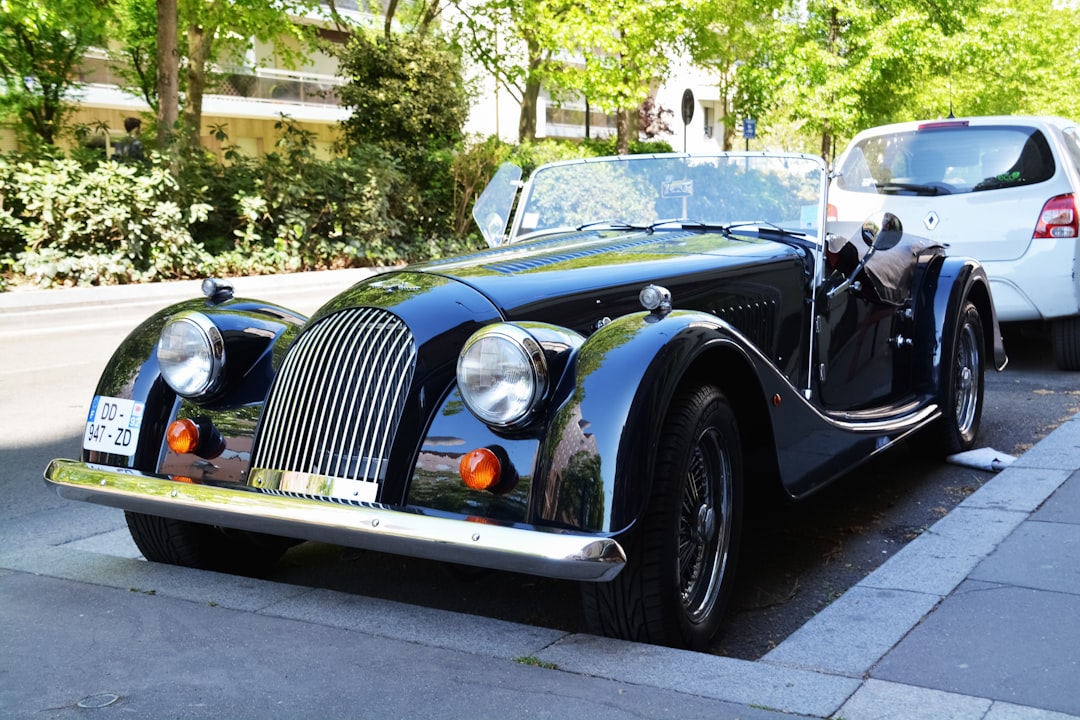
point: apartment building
(251, 94)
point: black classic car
(594, 397)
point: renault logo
(931, 220)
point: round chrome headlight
(191, 354)
(502, 374)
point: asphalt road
(797, 559)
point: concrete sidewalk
(979, 617)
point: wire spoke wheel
(962, 387)
(704, 531)
(967, 378)
(679, 573)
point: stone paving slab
(1059, 450)
(941, 557)
(1013, 644)
(412, 623)
(1064, 506)
(1039, 555)
(877, 699)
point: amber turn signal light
(198, 436)
(480, 469)
(182, 436)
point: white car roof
(1041, 121)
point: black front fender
(254, 334)
(958, 280)
(595, 464)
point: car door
(855, 351)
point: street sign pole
(749, 130)
(687, 113)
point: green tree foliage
(415, 17)
(830, 68)
(1012, 57)
(409, 99)
(41, 44)
(836, 66)
(625, 49)
(221, 30)
(135, 32)
(726, 38)
(511, 40)
(611, 52)
(406, 92)
(620, 49)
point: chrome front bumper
(534, 551)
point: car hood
(577, 280)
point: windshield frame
(815, 228)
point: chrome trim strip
(376, 527)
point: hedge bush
(90, 221)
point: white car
(1003, 190)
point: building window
(570, 122)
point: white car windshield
(732, 189)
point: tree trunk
(527, 118)
(388, 22)
(168, 72)
(722, 124)
(199, 42)
(622, 129)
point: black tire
(1065, 337)
(962, 391)
(680, 568)
(179, 542)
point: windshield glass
(643, 190)
(947, 159)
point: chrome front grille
(334, 407)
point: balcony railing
(280, 86)
(262, 84)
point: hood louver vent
(539, 261)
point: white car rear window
(947, 159)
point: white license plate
(113, 425)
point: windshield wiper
(891, 188)
(765, 226)
(688, 224)
(762, 226)
(614, 225)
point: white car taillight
(1059, 218)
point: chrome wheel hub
(706, 524)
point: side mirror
(882, 231)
